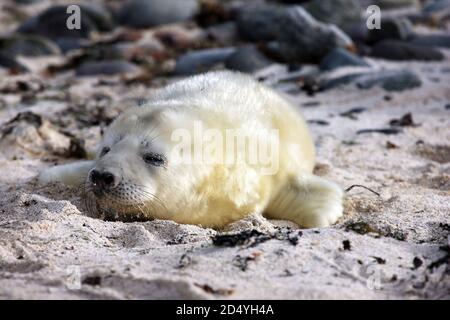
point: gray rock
(432, 40)
(338, 12)
(437, 10)
(390, 80)
(201, 60)
(69, 44)
(27, 45)
(397, 29)
(247, 59)
(294, 35)
(341, 58)
(51, 23)
(397, 50)
(27, 1)
(11, 63)
(223, 33)
(332, 83)
(393, 4)
(437, 6)
(150, 13)
(106, 67)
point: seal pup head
(130, 164)
(139, 173)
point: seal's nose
(102, 181)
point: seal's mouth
(125, 202)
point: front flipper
(308, 200)
(72, 174)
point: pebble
(291, 33)
(106, 67)
(247, 59)
(201, 60)
(341, 58)
(398, 50)
(150, 13)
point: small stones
(397, 50)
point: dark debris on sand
(251, 238)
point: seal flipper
(72, 174)
(308, 200)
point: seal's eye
(104, 151)
(154, 159)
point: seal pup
(168, 159)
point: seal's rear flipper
(72, 174)
(308, 200)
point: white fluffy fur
(205, 194)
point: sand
(394, 245)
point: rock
(201, 60)
(332, 83)
(247, 59)
(150, 13)
(106, 67)
(27, 1)
(338, 12)
(11, 63)
(357, 31)
(224, 33)
(390, 80)
(437, 7)
(101, 17)
(52, 23)
(293, 35)
(397, 29)
(69, 44)
(392, 4)
(341, 58)
(27, 45)
(397, 50)
(432, 40)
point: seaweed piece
(405, 121)
(346, 245)
(319, 122)
(251, 237)
(352, 112)
(360, 228)
(387, 131)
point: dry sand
(394, 245)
